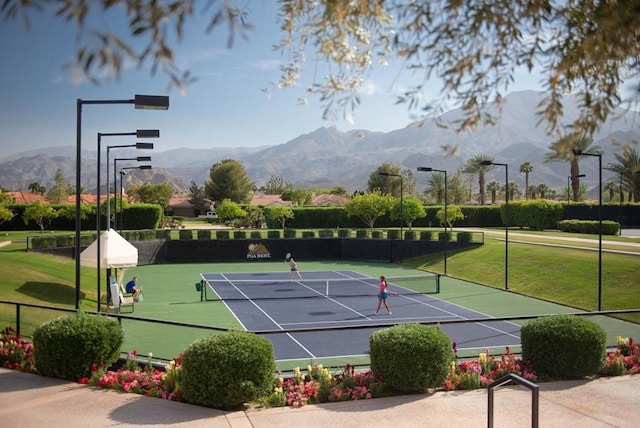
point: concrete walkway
(33, 401)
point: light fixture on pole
(569, 180)
(506, 218)
(149, 102)
(446, 196)
(141, 146)
(115, 169)
(122, 174)
(599, 156)
(140, 133)
(388, 174)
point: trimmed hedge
(325, 233)
(204, 234)
(444, 236)
(256, 234)
(239, 234)
(66, 347)
(290, 233)
(227, 370)
(185, 234)
(344, 233)
(425, 235)
(589, 226)
(362, 233)
(564, 346)
(222, 234)
(411, 357)
(273, 234)
(464, 237)
(377, 234)
(393, 234)
(537, 214)
(308, 234)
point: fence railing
(611, 321)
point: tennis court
(271, 302)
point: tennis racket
(287, 257)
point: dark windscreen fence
(285, 288)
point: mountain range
(328, 157)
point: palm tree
(525, 169)
(543, 190)
(435, 187)
(564, 148)
(493, 187)
(628, 167)
(532, 191)
(474, 167)
(36, 188)
(611, 187)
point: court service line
(380, 319)
(269, 317)
(335, 301)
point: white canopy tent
(115, 252)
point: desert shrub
(67, 347)
(227, 370)
(564, 346)
(411, 357)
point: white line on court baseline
(442, 310)
(267, 315)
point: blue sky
(226, 107)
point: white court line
(224, 302)
(454, 315)
(335, 301)
(269, 317)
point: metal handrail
(519, 380)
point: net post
(327, 289)
(438, 284)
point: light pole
(428, 169)
(388, 174)
(122, 174)
(569, 180)
(141, 146)
(506, 219)
(599, 156)
(147, 102)
(140, 133)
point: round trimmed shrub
(564, 346)
(290, 233)
(227, 370)
(411, 357)
(377, 234)
(256, 234)
(66, 347)
(273, 234)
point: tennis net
(251, 289)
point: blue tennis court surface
(274, 302)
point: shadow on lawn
(49, 292)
